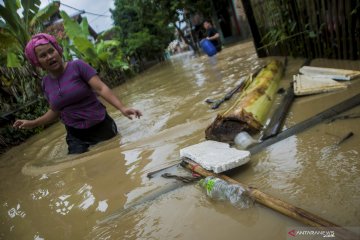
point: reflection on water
(46, 194)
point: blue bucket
(208, 47)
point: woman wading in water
(71, 89)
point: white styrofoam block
(215, 156)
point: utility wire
(99, 15)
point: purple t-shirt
(72, 96)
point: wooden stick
(237, 88)
(280, 114)
(310, 122)
(229, 94)
(272, 202)
(151, 174)
(282, 110)
(347, 136)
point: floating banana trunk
(250, 110)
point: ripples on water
(46, 194)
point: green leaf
(7, 40)
(29, 9)
(12, 60)
(44, 14)
(11, 18)
(80, 40)
(85, 26)
(312, 34)
(13, 22)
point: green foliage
(42, 15)
(103, 55)
(84, 46)
(99, 54)
(12, 60)
(280, 28)
(21, 28)
(11, 136)
(142, 28)
(145, 27)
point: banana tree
(106, 56)
(17, 30)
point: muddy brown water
(45, 194)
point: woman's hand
(26, 124)
(128, 112)
(48, 117)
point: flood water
(45, 194)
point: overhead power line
(93, 20)
(99, 15)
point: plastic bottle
(243, 140)
(219, 189)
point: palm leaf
(85, 27)
(30, 7)
(44, 14)
(13, 21)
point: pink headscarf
(36, 40)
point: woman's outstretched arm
(48, 117)
(105, 92)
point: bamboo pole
(276, 204)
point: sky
(101, 7)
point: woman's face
(48, 57)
